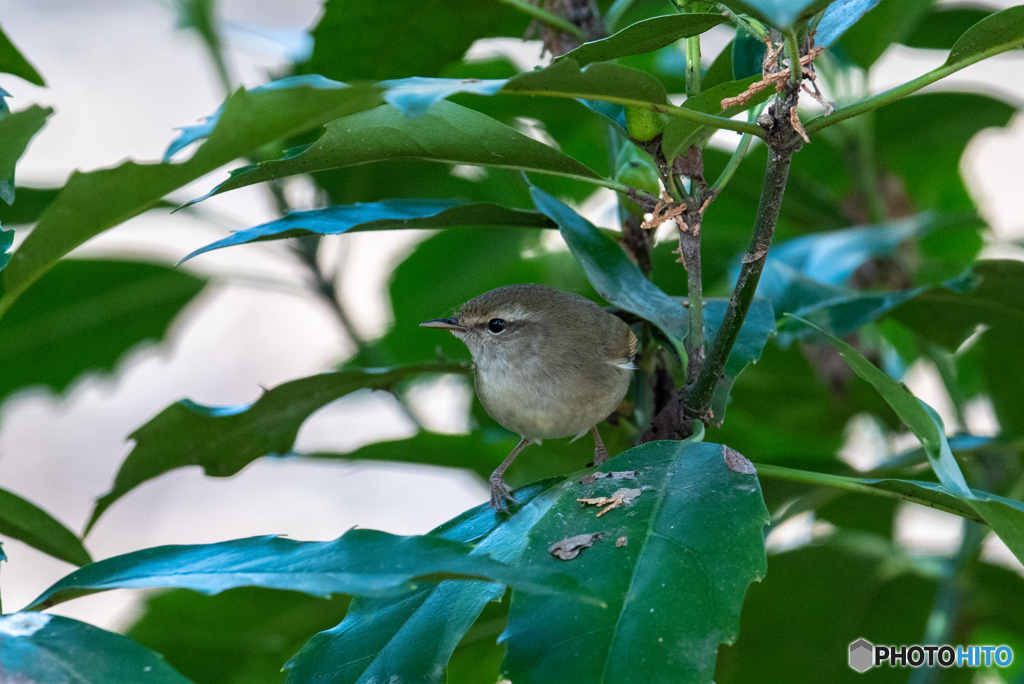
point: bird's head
(506, 324)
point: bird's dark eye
(496, 325)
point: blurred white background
(121, 78)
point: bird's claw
(600, 455)
(500, 495)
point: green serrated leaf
(673, 568)
(644, 36)
(92, 202)
(360, 562)
(13, 62)
(612, 274)
(223, 440)
(412, 637)
(38, 647)
(16, 130)
(24, 521)
(680, 133)
(387, 215)
(448, 133)
(84, 316)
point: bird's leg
(499, 490)
(600, 453)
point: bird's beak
(444, 324)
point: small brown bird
(546, 364)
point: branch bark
(672, 422)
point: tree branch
(783, 142)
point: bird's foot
(600, 454)
(500, 495)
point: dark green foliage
(83, 316)
(875, 248)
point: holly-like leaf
(24, 521)
(360, 562)
(93, 202)
(387, 215)
(85, 315)
(448, 133)
(37, 647)
(225, 439)
(612, 274)
(16, 130)
(13, 62)
(411, 638)
(644, 36)
(673, 566)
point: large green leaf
(996, 33)
(36, 647)
(673, 568)
(1004, 516)
(644, 36)
(93, 202)
(610, 271)
(225, 439)
(563, 79)
(13, 62)
(448, 133)
(360, 562)
(23, 520)
(386, 215)
(411, 638)
(372, 41)
(241, 636)
(83, 316)
(680, 133)
(598, 81)
(16, 130)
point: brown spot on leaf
(570, 547)
(737, 461)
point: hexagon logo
(862, 655)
